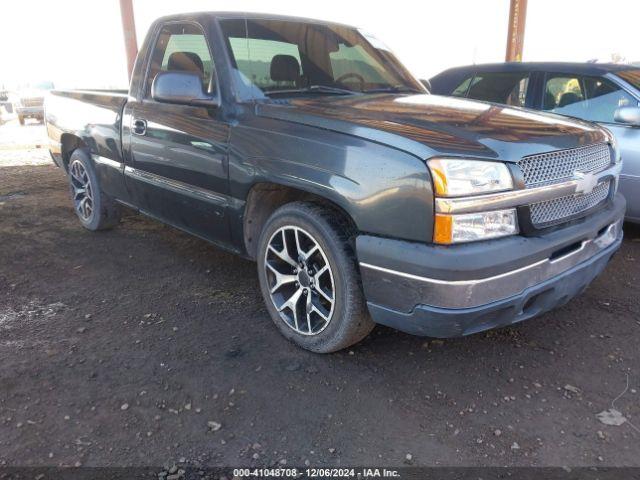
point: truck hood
(430, 125)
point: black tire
(350, 321)
(105, 212)
(21, 119)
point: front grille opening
(551, 211)
(565, 251)
(561, 165)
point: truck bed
(94, 116)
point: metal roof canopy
(515, 36)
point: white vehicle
(30, 101)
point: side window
(509, 88)
(604, 98)
(269, 64)
(590, 98)
(563, 94)
(462, 89)
(182, 48)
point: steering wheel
(355, 75)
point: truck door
(177, 168)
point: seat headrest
(569, 98)
(285, 68)
(185, 62)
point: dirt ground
(144, 346)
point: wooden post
(515, 37)
(129, 30)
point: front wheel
(310, 280)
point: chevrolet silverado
(309, 148)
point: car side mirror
(184, 88)
(426, 83)
(628, 115)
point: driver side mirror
(628, 115)
(184, 88)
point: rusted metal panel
(515, 37)
(129, 30)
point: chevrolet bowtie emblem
(586, 182)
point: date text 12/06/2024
(316, 473)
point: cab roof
(248, 15)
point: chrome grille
(558, 166)
(550, 211)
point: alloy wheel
(81, 190)
(300, 280)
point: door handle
(139, 126)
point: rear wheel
(95, 210)
(21, 119)
(309, 278)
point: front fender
(385, 191)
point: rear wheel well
(69, 143)
(265, 198)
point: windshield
(42, 86)
(631, 76)
(282, 58)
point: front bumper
(459, 290)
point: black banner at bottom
(398, 473)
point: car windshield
(631, 76)
(277, 58)
(42, 86)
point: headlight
(453, 177)
(474, 226)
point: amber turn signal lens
(443, 229)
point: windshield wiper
(330, 89)
(393, 89)
(316, 89)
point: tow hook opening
(602, 231)
(564, 251)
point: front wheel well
(265, 198)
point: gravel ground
(144, 346)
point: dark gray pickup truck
(309, 148)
